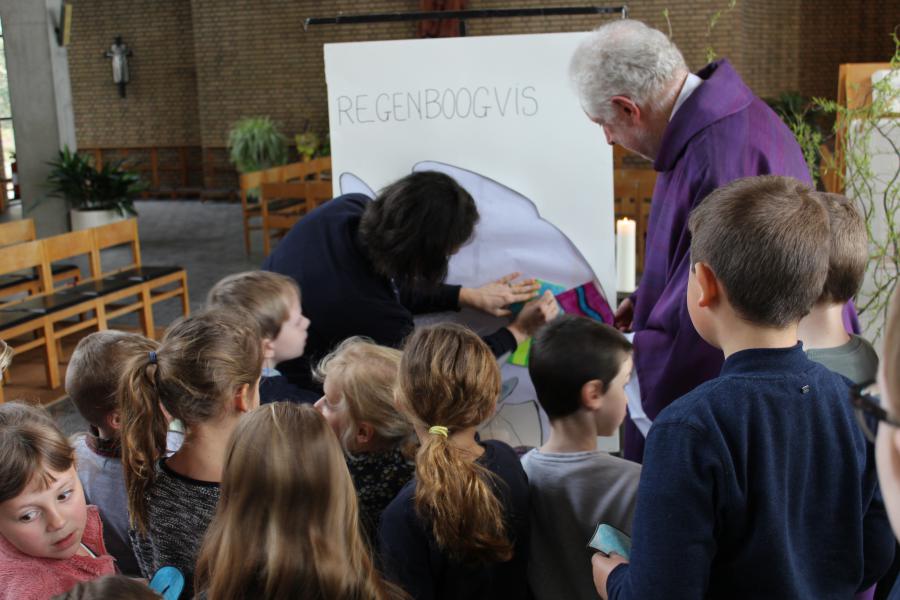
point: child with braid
(206, 374)
(460, 528)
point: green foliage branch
(857, 131)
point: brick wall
(201, 65)
(161, 104)
(836, 32)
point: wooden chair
(16, 232)
(28, 283)
(282, 205)
(318, 193)
(250, 207)
(318, 169)
(76, 245)
(153, 284)
(37, 316)
(299, 171)
(321, 168)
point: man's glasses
(866, 400)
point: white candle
(625, 254)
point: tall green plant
(255, 143)
(876, 190)
(711, 24)
(74, 178)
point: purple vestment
(721, 133)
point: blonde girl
(287, 524)
(205, 373)
(358, 379)
(49, 538)
(460, 528)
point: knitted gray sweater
(179, 511)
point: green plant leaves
(255, 143)
(84, 187)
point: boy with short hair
(92, 382)
(757, 484)
(579, 369)
(273, 301)
(822, 331)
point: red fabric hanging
(440, 27)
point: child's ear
(592, 394)
(708, 284)
(242, 398)
(114, 420)
(268, 347)
(365, 433)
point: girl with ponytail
(205, 373)
(287, 524)
(459, 529)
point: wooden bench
(13, 284)
(32, 322)
(45, 318)
(154, 284)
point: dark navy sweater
(757, 484)
(343, 295)
(277, 388)
(411, 557)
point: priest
(701, 131)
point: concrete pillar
(41, 100)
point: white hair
(624, 58)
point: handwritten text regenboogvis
(432, 103)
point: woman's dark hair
(415, 225)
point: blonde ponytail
(449, 379)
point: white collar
(691, 83)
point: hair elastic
(152, 356)
(439, 430)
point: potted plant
(95, 196)
(307, 144)
(255, 144)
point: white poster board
(498, 113)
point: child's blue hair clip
(168, 582)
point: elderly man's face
(630, 128)
(634, 137)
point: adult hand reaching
(493, 298)
(533, 315)
(602, 566)
(624, 315)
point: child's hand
(533, 315)
(602, 567)
(493, 298)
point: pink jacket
(24, 577)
